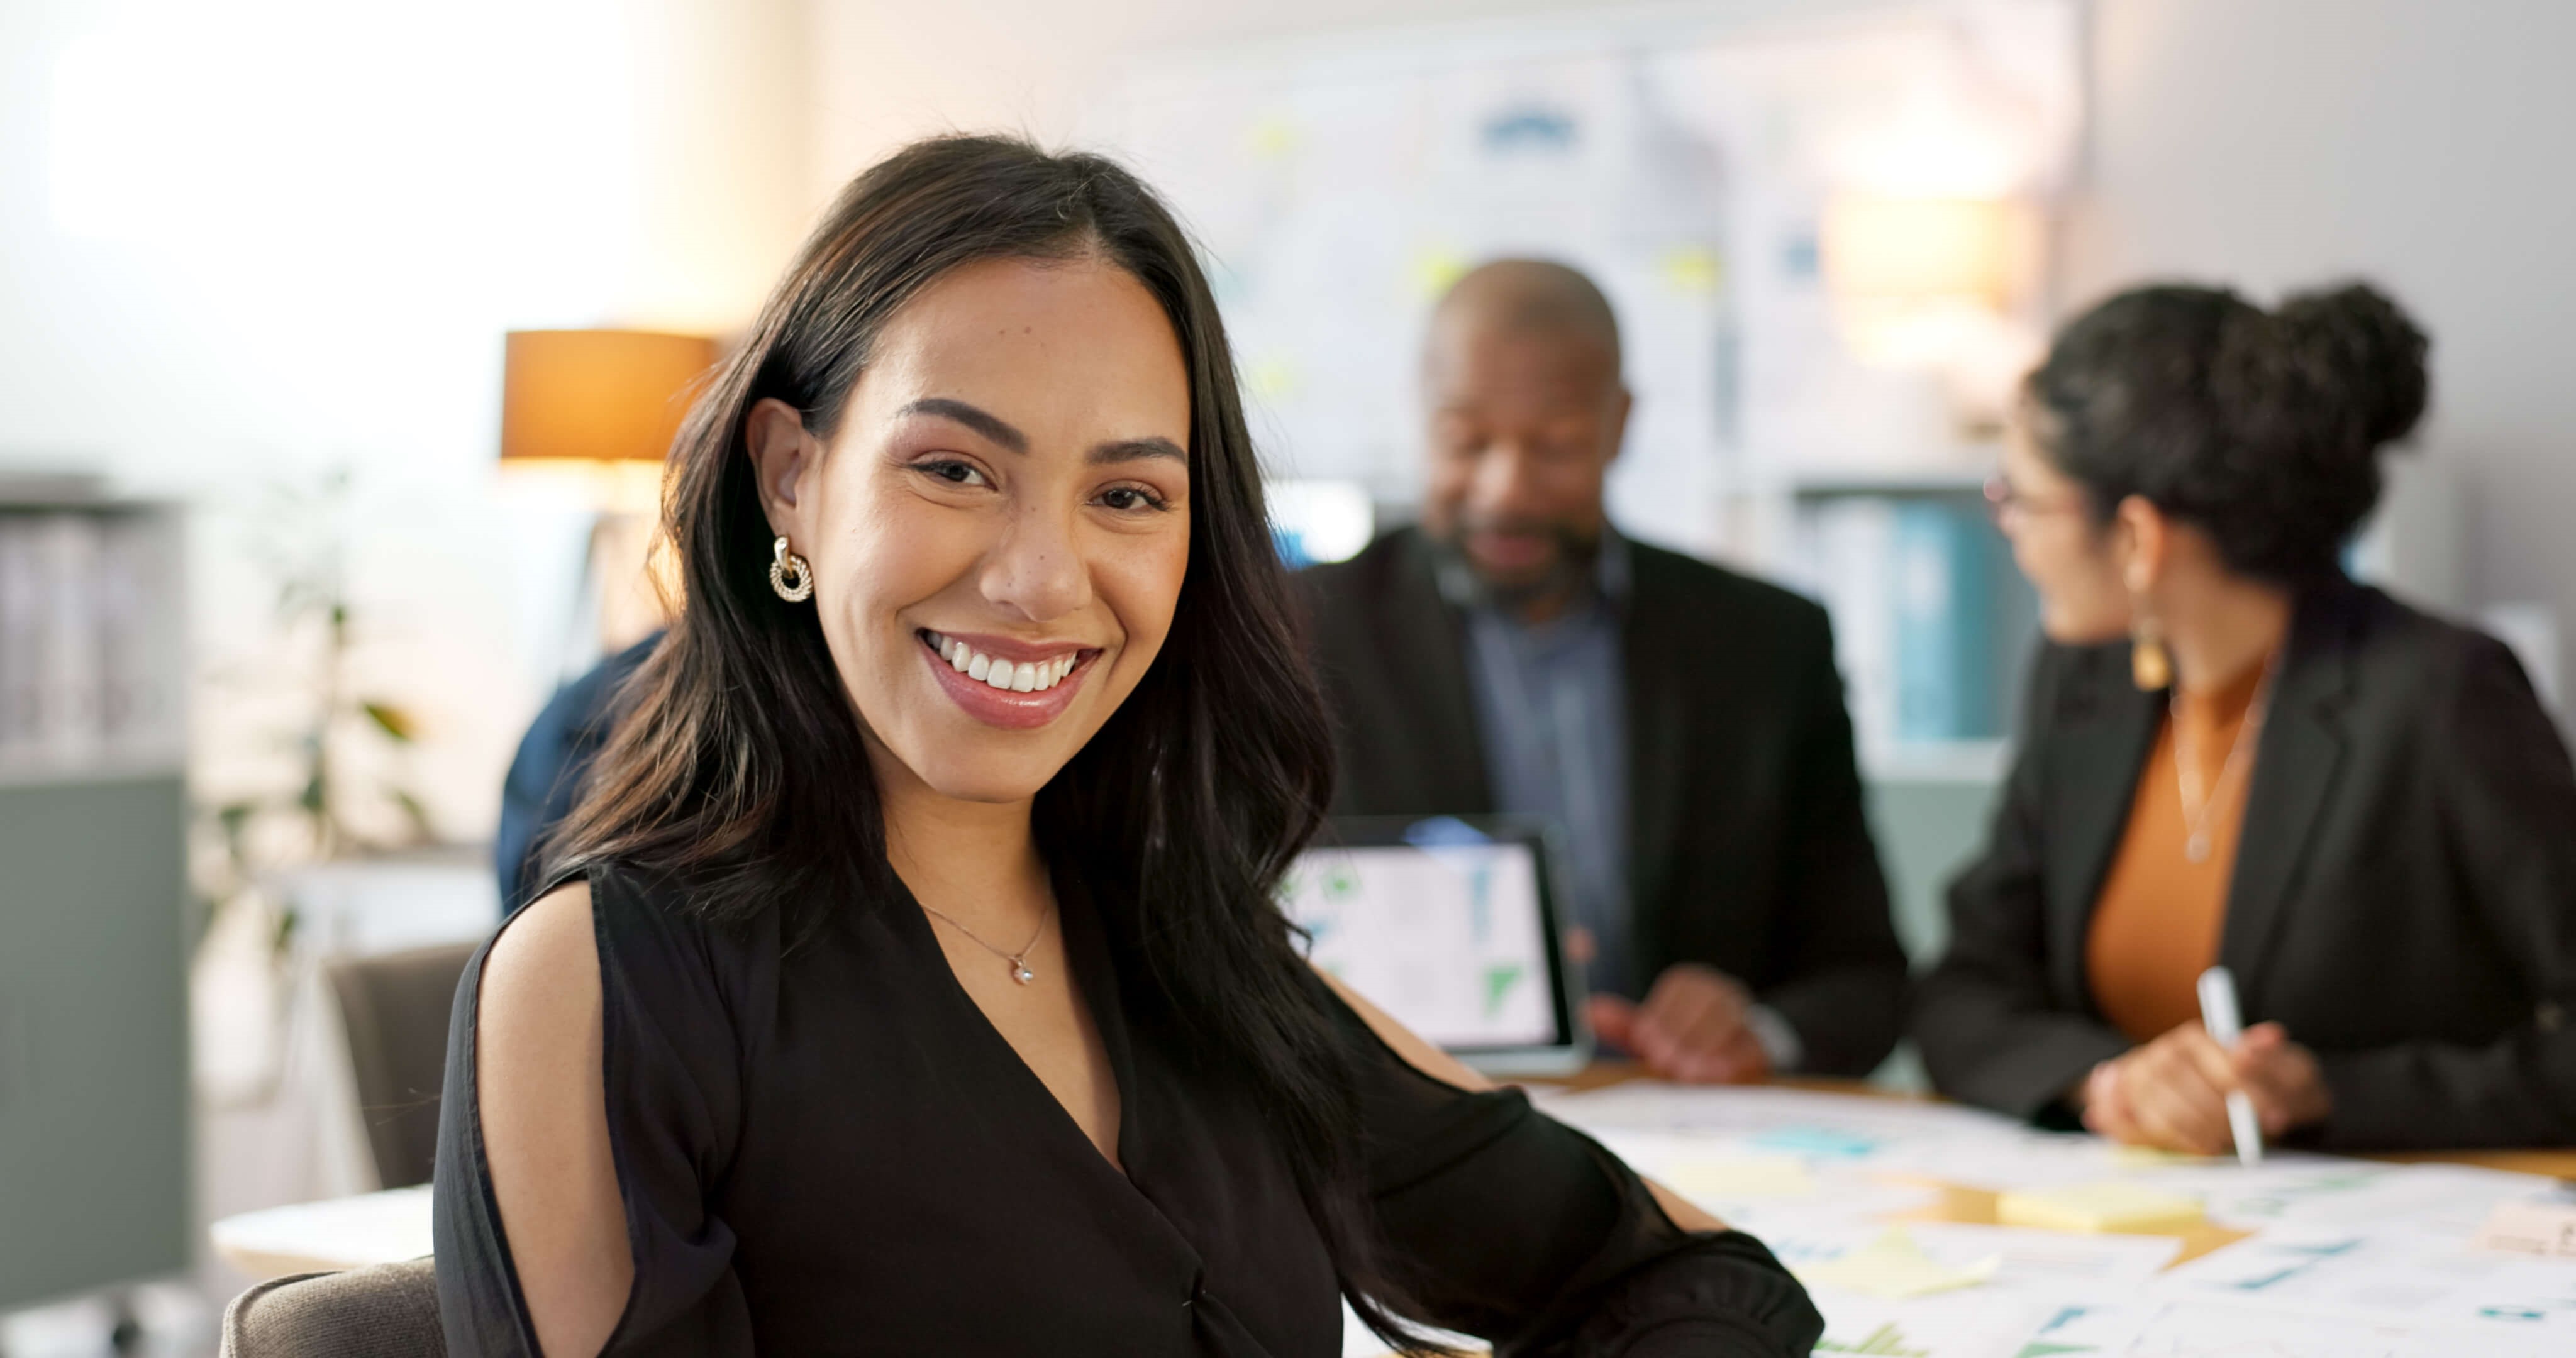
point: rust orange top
(2156, 925)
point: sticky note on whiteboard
(2110, 1206)
(2531, 1226)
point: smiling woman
(914, 979)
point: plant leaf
(391, 720)
(419, 814)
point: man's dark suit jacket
(545, 776)
(1747, 847)
(2403, 901)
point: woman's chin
(1001, 780)
(2081, 631)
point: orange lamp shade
(597, 395)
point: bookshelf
(1933, 630)
(94, 1086)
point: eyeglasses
(2002, 500)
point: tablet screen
(1448, 939)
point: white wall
(241, 244)
(2277, 143)
(2265, 143)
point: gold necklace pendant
(1019, 960)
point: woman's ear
(784, 458)
(2144, 537)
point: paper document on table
(2127, 1328)
(2303, 1256)
(1896, 1268)
(2541, 1227)
(1793, 1120)
(1359, 1342)
(2395, 1272)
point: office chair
(388, 1311)
(395, 1008)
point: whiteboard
(1681, 161)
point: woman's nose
(1036, 570)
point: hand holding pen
(2171, 1093)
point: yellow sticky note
(2149, 1157)
(2109, 1206)
(1895, 1267)
(1753, 1176)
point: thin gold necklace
(1019, 960)
(2197, 803)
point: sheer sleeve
(673, 1077)
(1509, 1225)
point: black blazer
(2404, 897)
(1747, 846)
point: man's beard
(1576, 553)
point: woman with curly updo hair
(2234, 755)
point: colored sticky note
(1817, 1141)
(1751, 1176)
(1895, 1267)
(2108, 1206)
(2149, 1157)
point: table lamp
(597, 410)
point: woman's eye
(953, 472)
(1130, 497)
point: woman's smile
(1015, 685)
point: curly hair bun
(2262, 427)
(2360, 345)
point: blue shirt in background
(1551, 708)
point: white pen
(2227, 1028)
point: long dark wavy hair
(736, 773)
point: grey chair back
(388, 1311)
(395, 1007)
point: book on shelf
(1913, 586)
(91, 666)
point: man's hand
(2172, 1092)
(1691, 1027)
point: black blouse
(829, 1149)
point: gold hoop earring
(784, 563)
(2150, 664)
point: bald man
(1683, 724)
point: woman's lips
(1001, 706)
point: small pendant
(1020, 972)
(2196, 848)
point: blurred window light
(1918, 249)
(285, 149)
(1919, 281)
(1316, 521)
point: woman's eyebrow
(1003, 432)
(982, 421)
(1132, 450)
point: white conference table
(393, 1225)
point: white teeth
(1034, 676)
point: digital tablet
(1450, 925)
